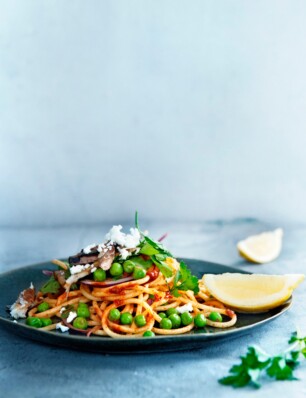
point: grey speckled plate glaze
(13, 282)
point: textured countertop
(29, 369)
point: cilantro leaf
(52, 286)
(184, 280)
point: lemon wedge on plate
(251, 293)
(261, 248)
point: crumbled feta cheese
(76, 269)
(184, 308)
(22, 301)
(93, 269)
(62, 327)
(100, 247)
(88, 248)
(129, 241)
(31, 286)
(15, 321)
(72, 315)
(124, 253)
(62, 310)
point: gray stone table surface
(29, 369)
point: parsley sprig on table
(256, 363)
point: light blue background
(184, 110)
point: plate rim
(109, 341)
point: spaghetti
(146, 292)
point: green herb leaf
(149, 244)
(175, 292)
(247, 372)
(164, 268)
(66, 312)
(184, 280)
(293, 338)
(148, 250)
(52, 286)
(140, 262)
(279, 367)
(136, 220)
(157, 246)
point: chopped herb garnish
(157, 246)
(257, 362)
(159, 261)
(52, 286)
(156, 252)
(148, 250)
(184, 280)
(66, 312)
(140, 262)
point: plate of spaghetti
(126, 294)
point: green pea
(162, 314)
(186, 318)
(99, 275)
(43, 307)
(46, 321)
(171, 311)
(149, 333)
(126, 318)
(81, 304)
(114, 315)
(80, 323)
(140, 320)
(166, 323)
(200, 321)
(83, 311)
(116, 269)
(176, 320)
(34, 322)
(215, 316)
(139, 273)
(128, 266)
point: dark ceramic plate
(13, 282)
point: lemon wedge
(261, 248)
(252, 293)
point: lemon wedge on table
(261, 248)
(254, 292)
